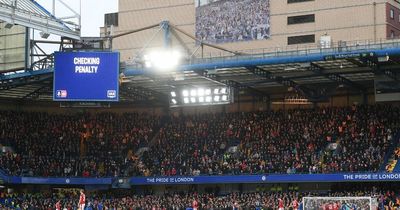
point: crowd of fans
(384, 199)
(233, 20)
(391, 165)
(297, 141)
(88, 145)
(322, 140)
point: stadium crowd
(298, 141)
(88, 145)
(233, 20)
(321, 140)
(386, 199)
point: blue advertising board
(272, 178)
(86, 76)
(185, 180)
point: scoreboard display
(86, 76)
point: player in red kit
(336, 206)
(280, 204)
(58, 205)
(329, 206)
(195, 204)
(295, 204)
(82, 199)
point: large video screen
(219, 21)
(86, 76)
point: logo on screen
(111, 94)
(62, 93)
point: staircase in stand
(391, 162)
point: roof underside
(146, 87)
(29, 13)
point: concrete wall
(346, 20)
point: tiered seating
(323, 140)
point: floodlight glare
(202, 95)
(163, 59)
(223, 90)
(200, 92)
(185, 93)
(186, 100)
(148, 64)
(193, 92)
(173, 94)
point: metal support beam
(32, 15)
(188, 51)
(167, 35)
(237, 85)
(281, 80)
(312, 94)
(377, 69)
(319, 70)
(37, 92)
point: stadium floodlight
(163, 59)
(148, 64)
(193, 92)
(44, 35)
(223, 90)
(189, 96)
(185, 93)
(186, 100)
(8, 25)
(200, 92)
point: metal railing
(297, 50)
(335, 47)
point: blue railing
(389, 153)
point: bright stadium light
(186, 100)
(193, 92)
(185, 93)
(189, 96)
(200, 92)
(223, 90)
(162, 59)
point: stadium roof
(314, 74)
(31, 14)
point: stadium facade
(288, 24)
